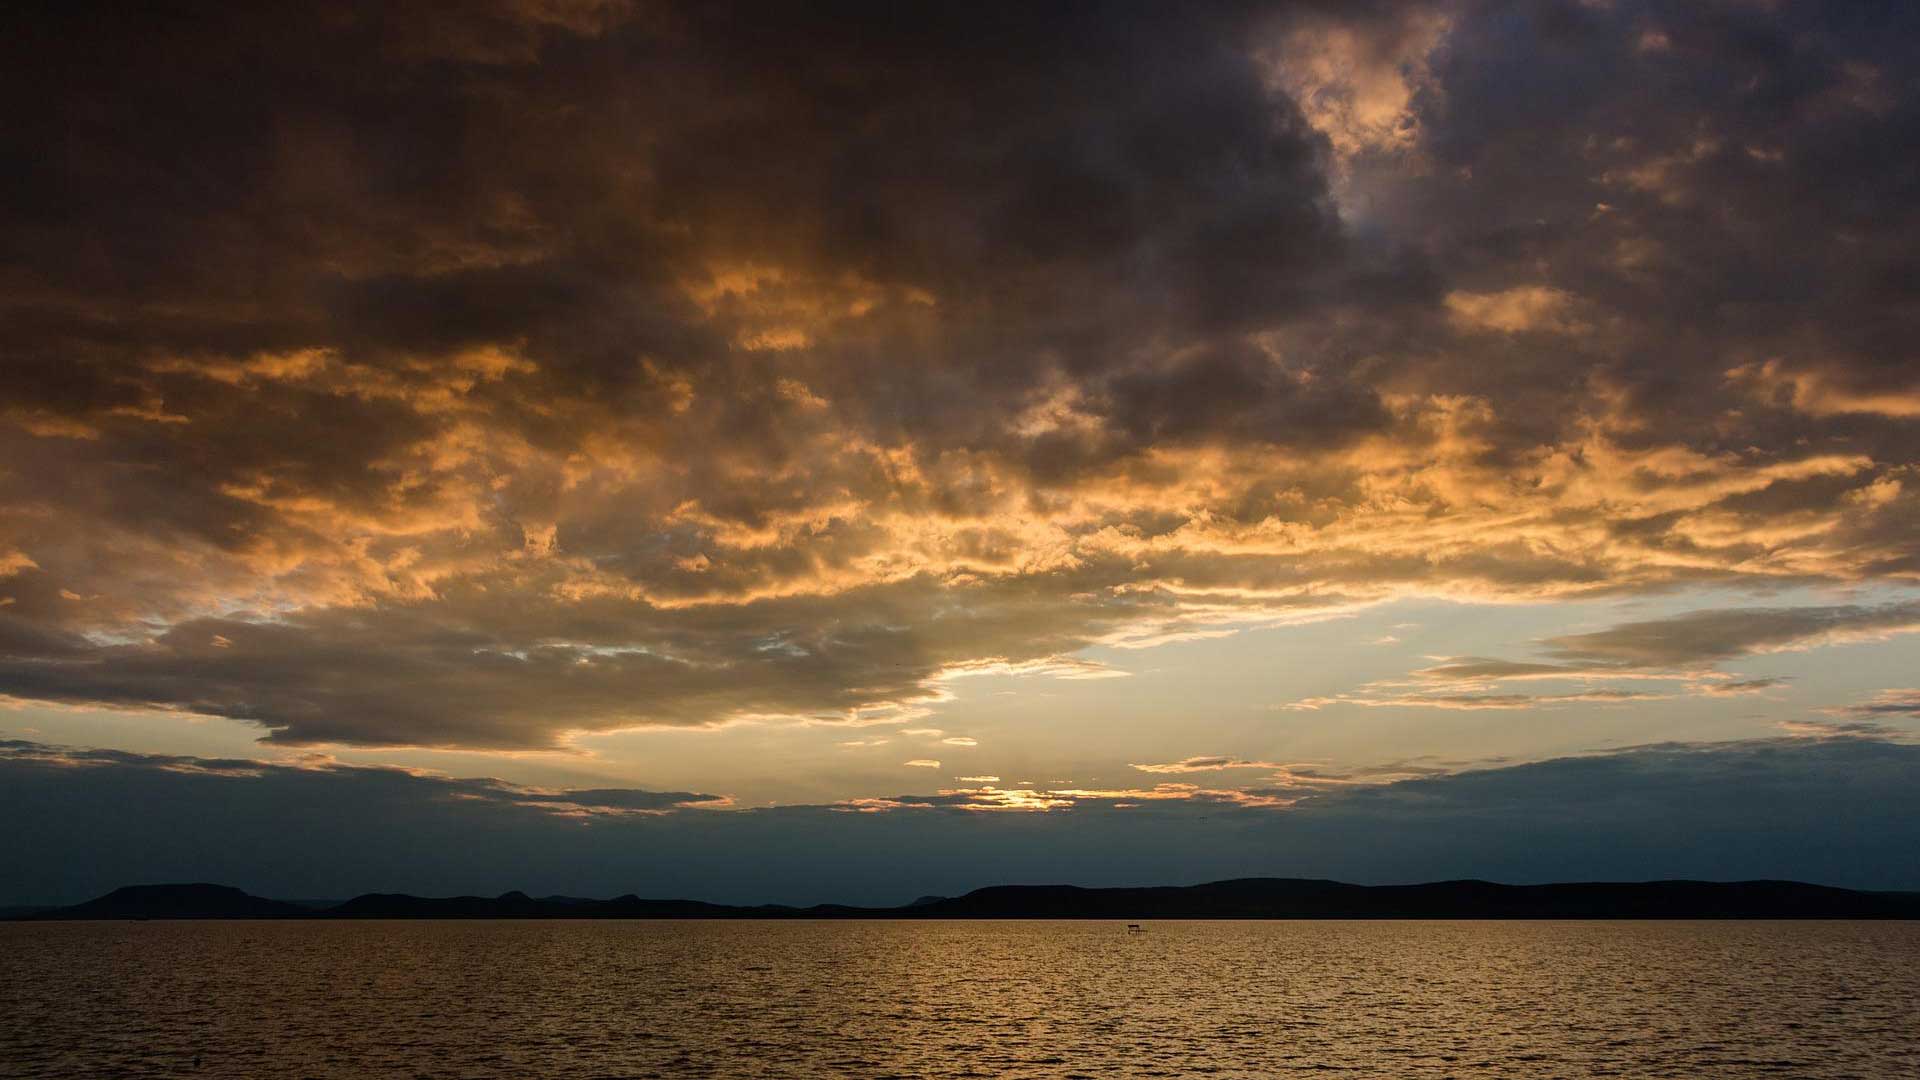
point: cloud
(1296, 777)
(923, 763)
(795, 366)
(1478, 702)
(1025, 799)
(1700, 637)
(1481, 668)
(1210, 764)
(355, 677)
(1356, 83)
(1738, 687)
(1897, 703)
(1688, 646)
(1823, 392)
(420, 784)
(1521, 309)
(1059, 667)
(1684, 649)
(1848, 729)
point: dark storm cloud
(338, 338)
(474, 375)
(1837, 810)
(1057, 169)
(1746, 146)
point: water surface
(958, 999)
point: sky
(844, 452)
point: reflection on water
(952, 999)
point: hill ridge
(1254, 897)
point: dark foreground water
(953, 999)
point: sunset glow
(1218, 437)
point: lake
(958, 999)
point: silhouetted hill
(177, 902)
(1255, 898)
(1297, 898)
(520, 905)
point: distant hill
(1245, 898)
(1292, 898)
(520, 905)
(177, 902)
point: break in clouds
(476, 379)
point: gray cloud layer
(1838, 810)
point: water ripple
(1057, 1000)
